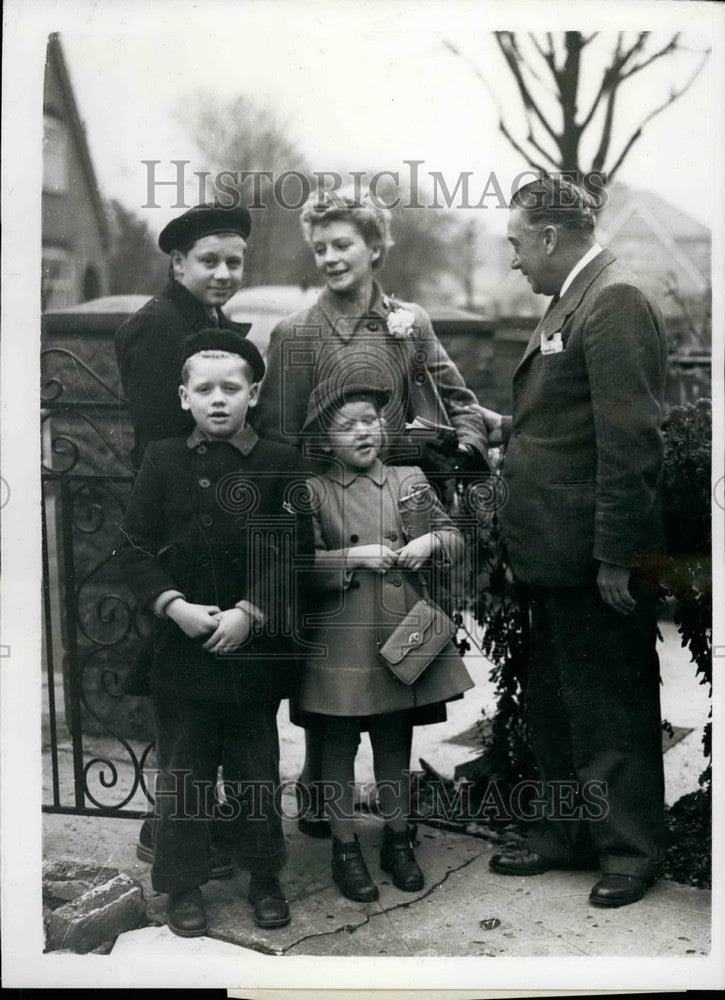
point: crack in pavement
(351, 928)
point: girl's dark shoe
(270, 906)
(186, 913)
(397, 858)
(350, 873)
(313, 822)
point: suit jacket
(148, 352)
(583, 465)
(219, 526)
(328, 340)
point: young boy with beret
(209, 543)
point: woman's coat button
(353, 538)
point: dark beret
(333, 393)
(215, 339)
(204, 220)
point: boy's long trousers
(192, 737)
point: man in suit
(206, 262)
(581, 523)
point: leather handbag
(418, 639)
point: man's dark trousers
(593, 715)
(192, 737)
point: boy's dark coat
(148, 351)
(219, 526)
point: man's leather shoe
(618, 890)
(270, 906)
(186, 913)
(520, 861)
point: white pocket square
(552, 344)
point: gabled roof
(679, 225)
(643, 215)
(55, 58)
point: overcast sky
(362, 86)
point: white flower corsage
(401, 323)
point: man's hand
(613, 583)
(233, 629)
(376, 557)
(417, 552)
(494, 424)
(194, 620)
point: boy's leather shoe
(270, 906)
(619, 890)
(220, 863)
(350, 873)
(397, 858)
(186, 915)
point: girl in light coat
(376, 527)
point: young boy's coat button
(205, 482)
(207, 520)
(202, 449)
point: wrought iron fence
(98, 740)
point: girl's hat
(204, 220)
(217, 339)
(332, 393)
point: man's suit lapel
(556, 316)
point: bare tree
(245, 138)
(553, 65)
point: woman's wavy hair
(350, 204)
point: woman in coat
(354, 326)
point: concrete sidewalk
(464, 910)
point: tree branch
(548, 57)
(665, 50)
(529, 159)
(636, 47)
(675, 95)
(474, 69)
(507, 44)
(540, 149)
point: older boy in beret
(209, 543)
(206, 262)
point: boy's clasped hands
(227, 630)
(381, 558)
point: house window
(55, 155)
(57, 282)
